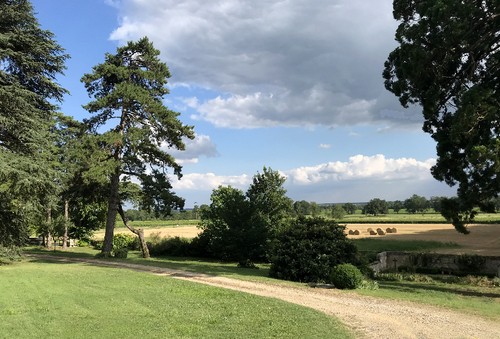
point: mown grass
(45, 300)
(483, 301)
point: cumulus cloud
(201, 145)
(376, 167)
(359, 179)
(210, 181)
(286, 63)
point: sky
(292, 85)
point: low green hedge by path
(48, 300)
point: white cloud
(359, 179)
(210, 181)
(276, 62)
(325, 146)
(201, 145)
(363, 167)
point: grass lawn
(483, 301)
(43, 300)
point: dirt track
(368, 317)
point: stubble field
(484, 239)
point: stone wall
(444, 263)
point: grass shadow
(192, 265)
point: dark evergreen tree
(30, 60)
(448, 62)
(129, 88)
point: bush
(9, 254)
(308, 248)
(122, 240)
(121, 252)
(176, 246)
(97, 244)
(368, 285)
(346, 276)
(82, 243)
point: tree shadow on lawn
(412, 287)
(58, 253)
(206, 266)
(190, 265)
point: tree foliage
(416, 204)
(448, 62)
(227, 228)
(350, 208)
(338, 211)
(238, 226)
(129, 88)
(268, 201)
(30, 60)
(375, 207)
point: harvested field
(181, 231)
(483, 239)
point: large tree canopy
(30, 60)
(129, 88)
(447, 62)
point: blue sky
(292, 85)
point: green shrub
(390, 277)
(176, 246)
(368, 285)
(83, 243)
(97, 244)
(346, 276)
(308, 248)
(122, 240)
(9, 254)
(121, 252)
(481, 281)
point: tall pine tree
(129, 88)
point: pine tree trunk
(139, 232)
(113, 203)
(66, 221)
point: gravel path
(369, 317)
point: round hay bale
(356, 232)
(388, 230)
(380, 231)
(372, 232)
(351, 232)
(394, 230)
